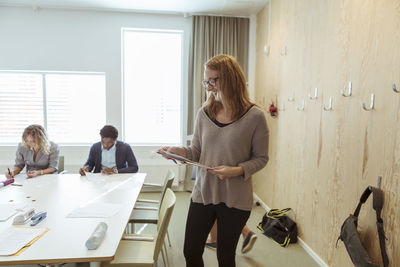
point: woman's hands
(224, 172)
(32, 174)
(10, 175)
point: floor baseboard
(303, 244)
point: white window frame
(43, 74)
(182, 93)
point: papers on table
(95, 210)
(95, 177)
(7, 210)
(14, 239)
(92, 174)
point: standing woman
(36, 152)
(231, 134)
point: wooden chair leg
(166, 255)
(169, 240)
(163, 257)
(130, 228)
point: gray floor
(264, 253)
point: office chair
(137, 250)
(61, 165)
(149, 214)
(169, 178)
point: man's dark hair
(109, 131)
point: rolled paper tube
(97, 236)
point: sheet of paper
(15, 238)
(197, 164)
(95, 210)
(7, 210)
(95, 177)
(185, 160)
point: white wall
(77, 40)
(72, 40)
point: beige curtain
(212, 36)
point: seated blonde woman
(36, 152)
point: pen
(9, 172)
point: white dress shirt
(108, 158)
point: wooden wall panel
(321, 161)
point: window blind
(71, 106)
(21, 104)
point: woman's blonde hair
(38, 133)
(232, 87)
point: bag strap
(277, 213)
(377, 205)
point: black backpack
(279, 227)
(351, 238)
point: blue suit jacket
(124, 158)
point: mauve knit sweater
(241, 143)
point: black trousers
(198, 225)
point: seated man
(110, 156)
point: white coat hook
(315, 94)
(371, 105)
(282, 108)
(302, 106)
(395, 89)
(284, 51)
(348, 91)
(329, 106)
(266, 50)
(291, 98)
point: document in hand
(185, 160)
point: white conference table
(58, 195)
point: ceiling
(188, 7)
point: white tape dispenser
(21, 219)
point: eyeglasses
(212, 82)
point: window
(152, 74)
(71, 106)
(21, 104)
